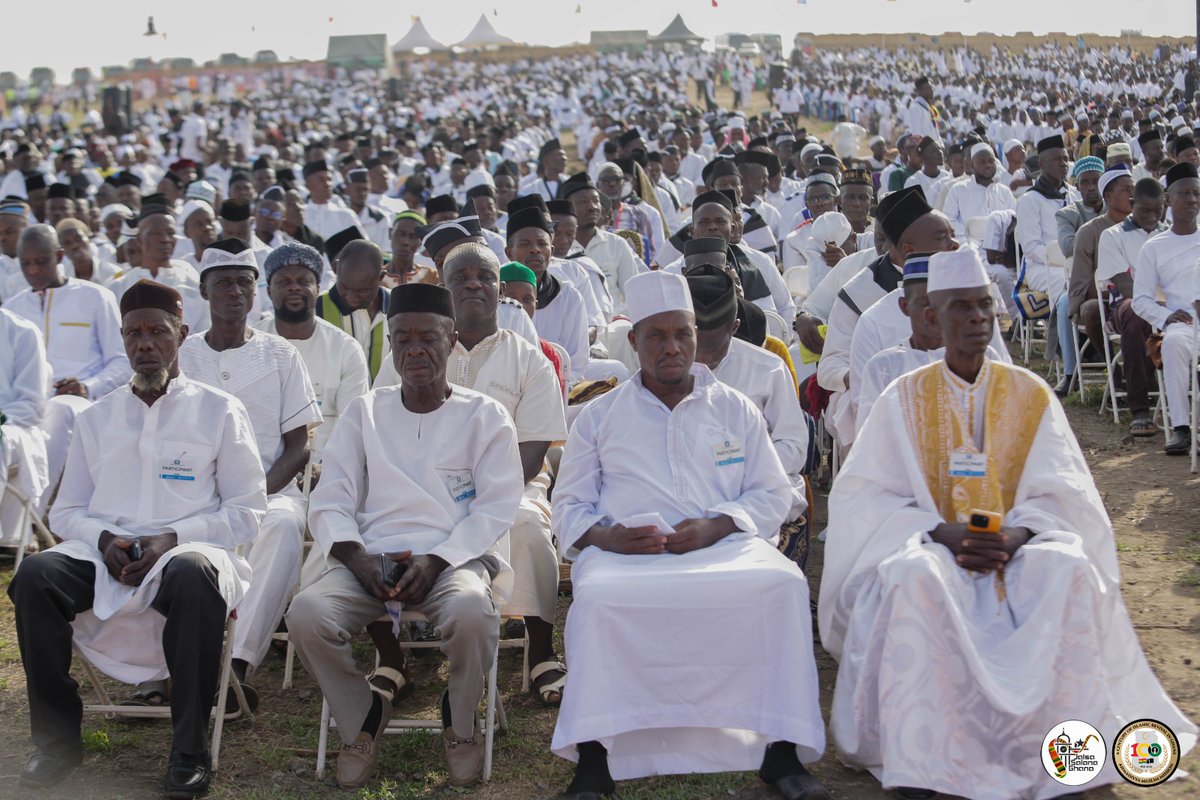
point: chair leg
(24, 526)
(489, 726)
(525, 665)
(289, 664)
(223, 692)
(322, 739)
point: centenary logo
(1073, 752)
(1146, 752)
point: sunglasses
(269, 214)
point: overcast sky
(71, 33)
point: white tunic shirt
(179, 275)
(967, 199)
(1166, 265)
(326, 219)
(446, 483)
(1118, 251)
(267, 375)
(185, 464)
(336, 367)
(619, 263)
(627, 454)
(81, 329)
(564, 322)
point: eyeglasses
(269, 214)
(821, 198)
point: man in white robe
(502, 365)
(155, 232)
(24, 376)
(1166, 267)
(562, 316)
(760, 375)
(608, 250)
(81, 331)
(336, 366)
(321, 215)
(445, 484)
(980, 195)
(269, 377)
(1026, 624)
(1037, 227)
(669, 500)
(143, 477)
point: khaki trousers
(326, 615)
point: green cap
(514, 271)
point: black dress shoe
(43, 769)
(910, 793)
(1178, 442)
(186, 778)
(1063, 387)
(584, 796)
(801, 787)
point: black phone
(135, 550)
(393, 571)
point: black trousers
(50, 589)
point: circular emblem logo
(1073, 752)
(1146, 752)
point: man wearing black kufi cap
(324, 214)
(374, 221)
(428, 539)
(922, 118)
(548, 176)
(357, 302)
(1037, 227)
(269, 377)
(151, 511)
(608, 250)
(910, 226)
(1167, 267)
(754, 168)
(1149, 143)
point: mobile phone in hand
(135, 550)
(393, 571)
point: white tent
(417, 37)
(483, 35)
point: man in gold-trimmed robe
(959, 651)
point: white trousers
(534, 560)
(1178, 359)
(59, 424)
(274, 558)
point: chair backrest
(776, 326)
(977, 229)
(566, 367)
(796, 280)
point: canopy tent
(677, 33)
(483, 35)
(417, 37)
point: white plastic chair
(796, 280)
(776, 326)
(110, 710)
(976, 229)
(494, 717)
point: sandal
(546, 691)
(401, 687)
(1142, 426)
(150, 693)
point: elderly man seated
(151, 508)
(669, 498)
(422, 532)
(971, 593)
(80, 328)
(24, 375)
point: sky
(97, 33)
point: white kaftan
(942, 684)
(647, 680)
(188, 464)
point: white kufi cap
(957, 269)
(655, 292)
